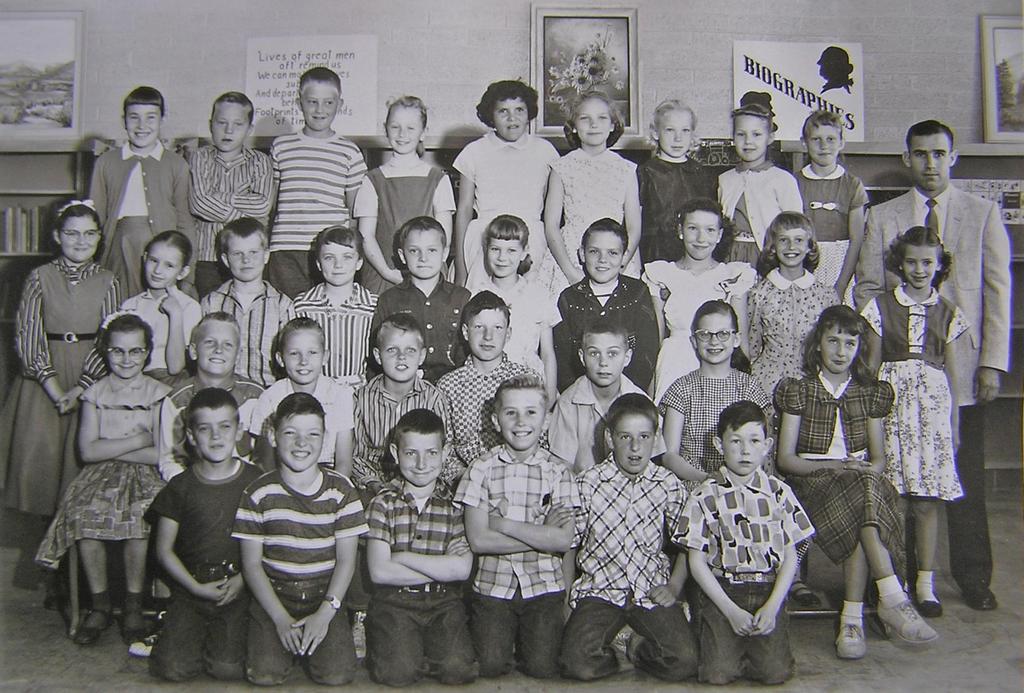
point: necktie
(931, 219)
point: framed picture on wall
(1002, 59)
(579, 49)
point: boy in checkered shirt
(418, 557)
(627, 504)
(741, 527)
(471, 387)
(519, 501)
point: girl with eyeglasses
(692, 404)
(62, 305)
(107, 501)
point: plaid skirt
(841, 503)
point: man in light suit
(971, 229)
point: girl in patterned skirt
(831, 448)
(914, 327)
(107, 500)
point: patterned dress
(37, 444)
(828, 202)
(918, 435)
(781, 313)
(683, 292)
(108, 500)
(595, 187)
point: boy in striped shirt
(299, 526)
(318, 173)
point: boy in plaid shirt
(519, 501)
(627, 504)
(741, 528)
(418, 557)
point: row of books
(22, 230)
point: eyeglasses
(90, 235)
(704, 336)
(135, 353)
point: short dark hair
(501, 91)
(605, 325)
(738, 414)
(423, 223)
(242, 227)
(209, 398)
(235, 97)
(75, 209)
(175, 239)
(739, 360)
(509, 227)
(632, 403)
(481, 301)
(606, 225)
(403, 322)
(930, 127)
(125, 323)
(340, 235)
(297, 404)
(709, 206)
(320, 74)
(144, 96)
(618, 125)
(920, 236)
(422, 421)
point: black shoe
(929, 608)
(134, 627)
(93, 625)
(980, 599)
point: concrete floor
(976, 651)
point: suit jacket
(979, 282)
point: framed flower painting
(579, 49)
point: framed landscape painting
(40, 73)
(1002, 60)
(579, 49)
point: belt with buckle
(208, 572)
(740, 578)
(70, 337)
(426, 588)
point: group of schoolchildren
(313, 456)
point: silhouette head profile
(835, 68)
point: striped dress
(299, 532)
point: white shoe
(850, 643)
(903, 622)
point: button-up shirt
(259, 323)
(346, 329)
(621, 527)
(742, 528)
(395, 519)
(523, 491)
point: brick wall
(922, 57)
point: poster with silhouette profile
(794, 79)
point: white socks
(925, 588)
(853, 614)
(890, 592)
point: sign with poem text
(274, 64)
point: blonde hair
(668, 106)
(413, 102)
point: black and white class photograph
(534, 345)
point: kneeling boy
(627, 504)
(519, 501)
(299, 526)
(741, 527)
(205, 624)
(418, 557)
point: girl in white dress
(679, 288)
